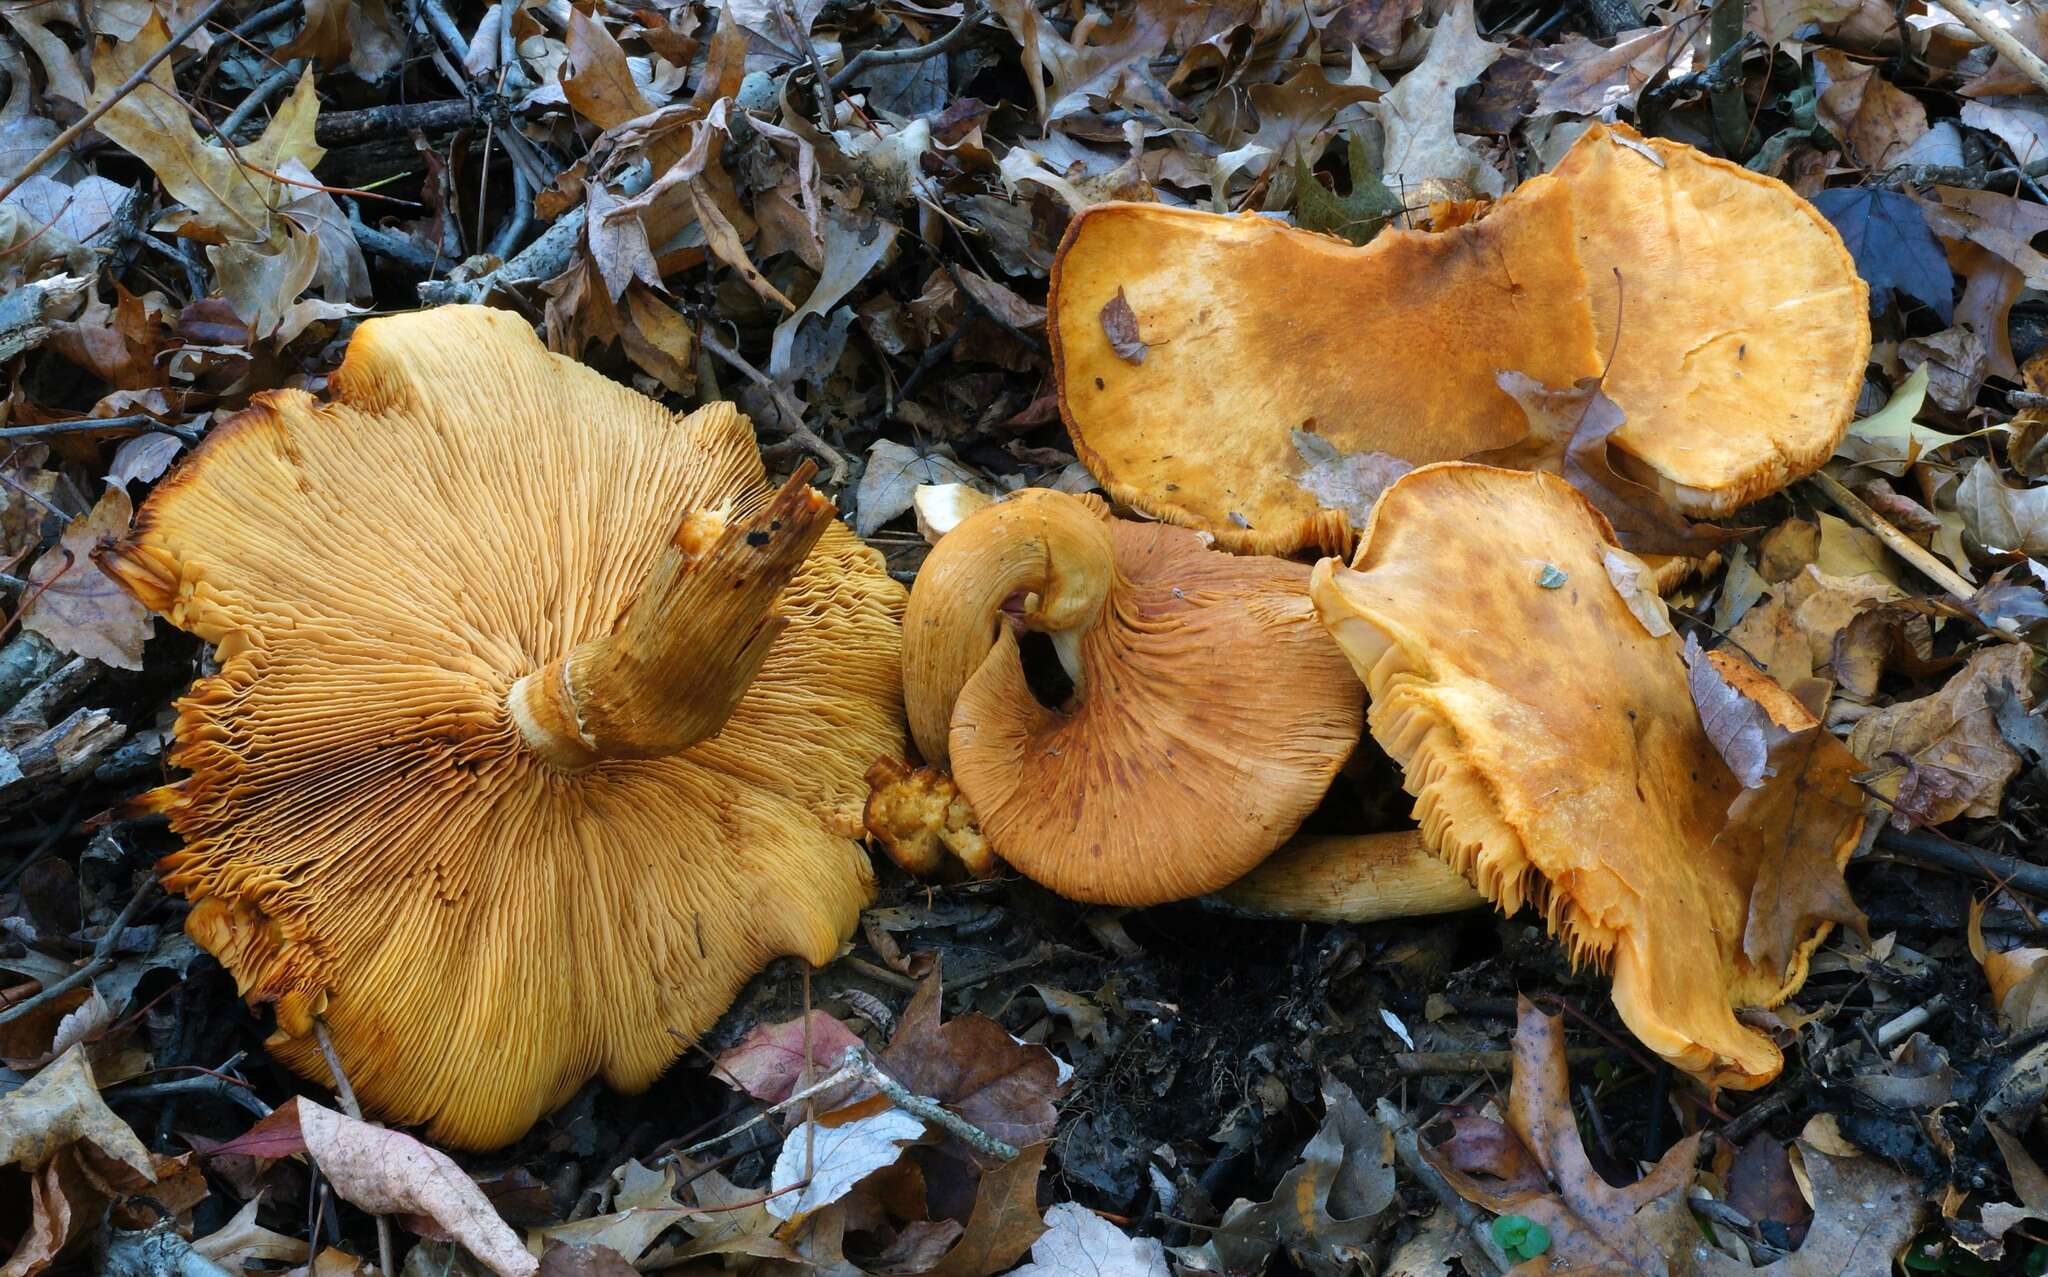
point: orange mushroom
(1352, 878)
(540, 722)
(1555, 753)
(1252, 330)
(1178, 761)
(1191, 346)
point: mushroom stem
(683, 655)
(1051, 548)
(1351, 878)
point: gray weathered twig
(868, 59)
(102, 958)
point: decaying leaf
(770, 1060)
(1079, 1243)
(974, 1067)
(820, 1164)
(388, 1172)
(1953, 731)
(78, 607)
(1736, 724)
(1327, 1209)
(1347, 481)
(894, 473)
(1120, 325)
(2002, 517)
(1425, 160)
(61, 1106)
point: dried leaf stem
(1918, 556)
(127, 86)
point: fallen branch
(792, 423)
(1944, 853)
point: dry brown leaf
(2000, 517)
(59, 1107)
(1423, 159)
(1120, 325)
(1876, 120)
(228, 198)
(389, 1172)
(1955, 732)
(973, 1066)
(79, 608)
(1004, 1221)
(1591, 78)
(596, 78)
(1796, 829)
(1593, 1225)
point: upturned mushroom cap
(1554, 751)
(1739, 326)
(1253, 329)
(1209, 711)
(503, 772)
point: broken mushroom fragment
(540, 722)
(1555, 754)
(1253, 330)
(1735, 318)
(1207, 712)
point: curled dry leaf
(1954, 733)
(61, 1106)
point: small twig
(792, 423)
(1491, 1260)
(879, 974)
(134, 81)
(1917, 556)
(858, 1066)
(138, 421)
(347, 1095)
(1941, 852)
(102, 958)
(867, 59)
(2000, 39)
(213, 1082)
(266, 89)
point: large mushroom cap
(1738, 324)
(450, 788)
(1554, 750)
(1209, 711)
(1254, 329)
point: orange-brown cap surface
(1554, 751)
(1209, 711)
(1253, 329)
(455, 786)
(1738, 324)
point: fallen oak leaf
(388, 1172)
(1955, 729)
(59, 1107)
(974, 1067)
(1004, 1221)
(1327, 1209)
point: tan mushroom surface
(1254, 329)
(1734, 317)
(1178, 761)
(1554, 751)
(1738, 325)
(540, 722)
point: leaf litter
(844, 217)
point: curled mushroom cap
(1738, 324)
(540, 722)
(1253, 329)
(1189, 346)
(1209, 712)
(1554, 750)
